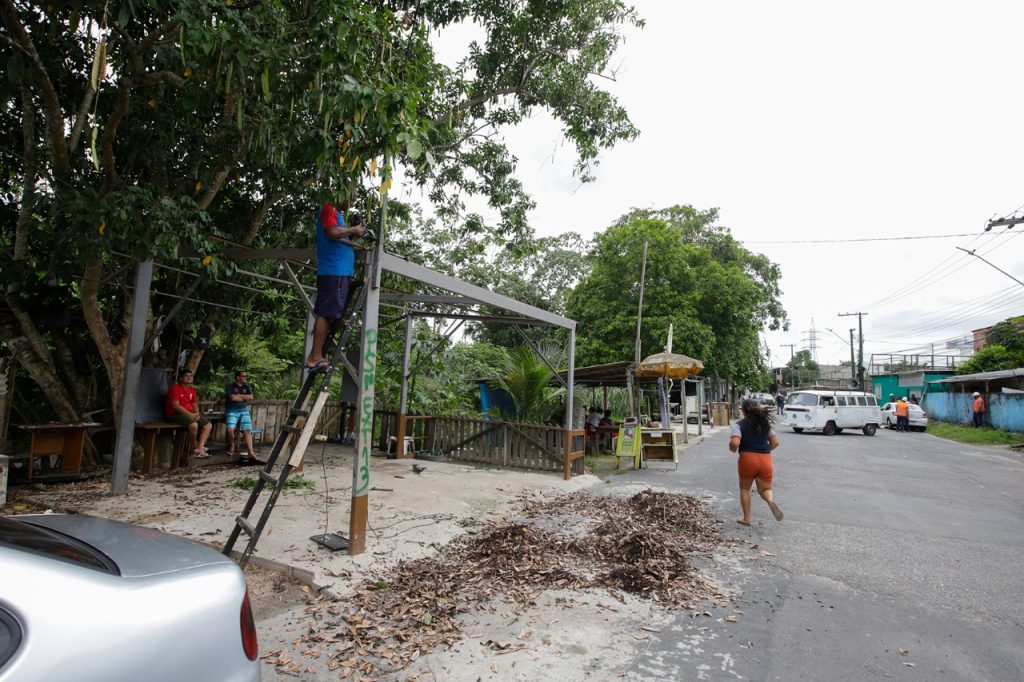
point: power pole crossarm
(860, 357)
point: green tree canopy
(716, 294)
(991, 358)
(801, 369)
(162, 129)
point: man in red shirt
(182, 407)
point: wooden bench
(146, 433)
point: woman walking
(754, 438)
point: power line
(971, 321)
(931, 316)
(861, 239)
(959, 263)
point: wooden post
(359, 513)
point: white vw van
(831, 411)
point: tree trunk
(65, 359)
(200, 344)
(42, 373)
(112, 354)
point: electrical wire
(860, 239)
(944, 323)
(962, 307)
(956, 261)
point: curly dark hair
(757, 415)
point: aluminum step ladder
(301, 423)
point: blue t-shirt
(332, 257)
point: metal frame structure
(462, 294)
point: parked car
(918, 420)
(85, 598)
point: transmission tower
(811, 341)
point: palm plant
(527, 381)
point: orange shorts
(755, 465)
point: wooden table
(60, 440)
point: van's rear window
(26, 537)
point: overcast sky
(807, 121)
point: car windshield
(806, 399)
(26, 537)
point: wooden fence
(510, 444)
(462, 439)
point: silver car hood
(138, 552)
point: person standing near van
(978, 408)
(780, 401)
(902, 415)
(754, 439)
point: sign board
(628, 444)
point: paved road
(898, 541)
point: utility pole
(860, 333)
(634, 400)
(792, 384)
(853, 362)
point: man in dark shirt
(237, 397)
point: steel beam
(414, 271)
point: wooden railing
(463, 439)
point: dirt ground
(412, 516)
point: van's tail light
(249, 643)
(924, 414)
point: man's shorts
(755, 465)
(240, 419)
(331, 296)
(186, 420)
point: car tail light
(249, 643)
(924, 414)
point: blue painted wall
(491, 397)
(1005, 410)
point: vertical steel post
(132, 372)
(403, 401)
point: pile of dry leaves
(642, 545)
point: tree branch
(457, 110)
(218, 182)
(54, 117)
(256, 220)
(28, 190)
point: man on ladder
(336, 262)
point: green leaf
(92, 147)
(414, 149)
(265, 80)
